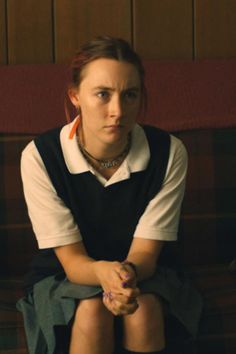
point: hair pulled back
(110, 48)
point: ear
(74, 96)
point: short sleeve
(161, 217)
(52, 221)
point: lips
(114, 126)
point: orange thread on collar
(74, 128)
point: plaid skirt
(53, 302)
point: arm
(52, 221)
(144, 254)
(82, 269)
(78, 266)
(159, 223)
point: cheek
(93, 114)
(88, 107)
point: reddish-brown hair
(106, 47)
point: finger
(123, 299)
(117, 307)
(126, 274)
(107, 295)
(124, 309)
(130, 292)
(108, 302)
(130, 283)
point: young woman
(104, 196)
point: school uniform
(68, 202)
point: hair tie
(74, 127)
(132, 265)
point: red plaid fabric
(217, 333)
(16, 237)
(12, 335)
(208, 223)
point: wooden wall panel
(30, 36)
(163, 29)
(215, 28)
(3, 34)
(77, 21)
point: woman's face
(109, 99)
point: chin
(115, 137)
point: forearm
(84, 270)
(144, 260)
(145, 266)
(78, 266)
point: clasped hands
(119, 283)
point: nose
(115, 107)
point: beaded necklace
(109, 163)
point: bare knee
(92, 330)
(92, 316)
(148, 321)
(150, 310)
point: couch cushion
(12, 336)
(17, 242)
(208, 221)
(217, 333)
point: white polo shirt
(52, 221)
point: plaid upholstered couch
(196, 102)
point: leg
(144, 330)
(92, 329)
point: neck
(103, 151)
(103, 163)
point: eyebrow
(105, 88)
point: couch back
(196, 101)
(181, 95)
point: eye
(131, 95)
(103, 95)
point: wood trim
(208, 216)
(10, 138)
(3, 33)
(17, 351)
(163, 29)
(16, 226)
(30, 37)
(79, 21)
(215, 29)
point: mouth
(114, 126)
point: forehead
(110, 72)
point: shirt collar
(136, 160)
